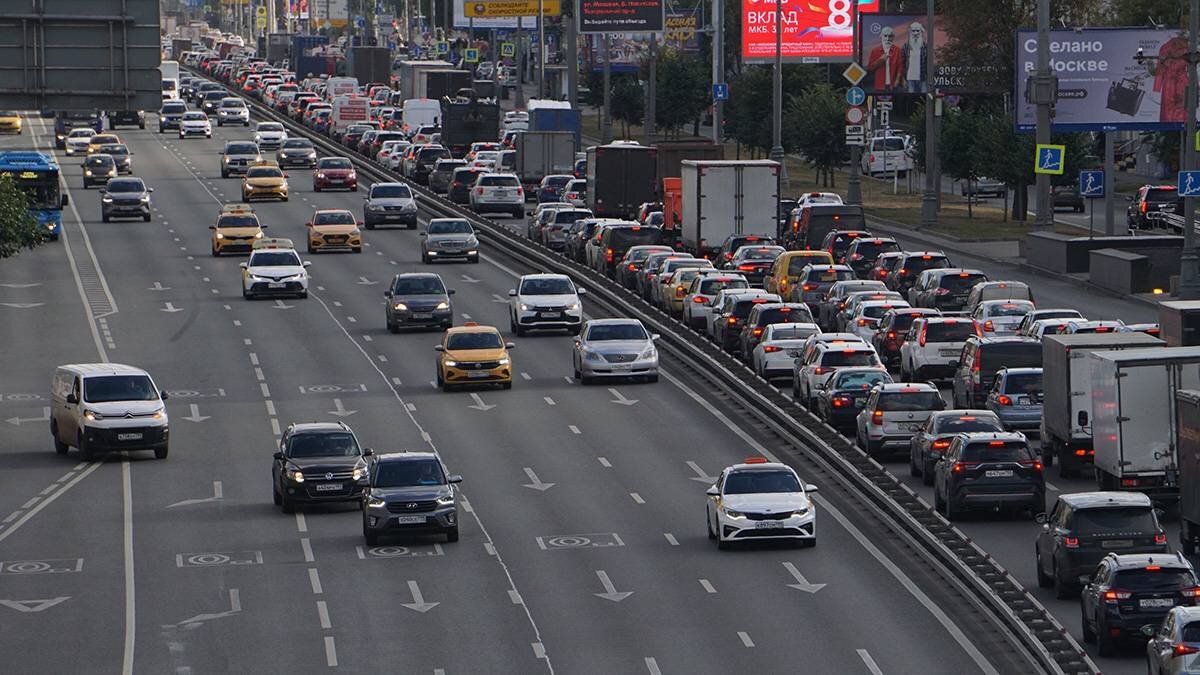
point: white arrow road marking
(418, 604)
(700, 476)
(196, 416)
(33, 605)
(171, 308)
(802, 583)
(18, 285)
(499, 299)
(610, 591)
(279, 305)
(18, 420)
(363, 281)
(22, 305)
(479, 404)
(159, 287)
(341, 409)
(469, 279)
(218, 495)
(536, 483)
(620, 398)
(235, 606)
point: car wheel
(424, 259)
(927, 473)
(104, 217)
(708, 526)
(506, 385)
(357, 249)
(586, 379)
(913, 469)
(146, 218)
(1043, 579)
(286, 505)
(1105, 645)
(370, 225)
(1062, 589)
(441, 381)
(370, 537)
(160, 453)
(275, 496)
(520, 330)
(722, 545)
(392, 328)
(452, 534)
(938, 504)
(948, 509)
(652, 378)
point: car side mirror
(263, 227)
(809, 487)
(454, 478)
(1083, 418)
(307, 263)
(580, 291)
(72, 399)
(149, 189)
(423, 234)
(285, 175)
(308, 224)
(439, 348)
(212, 227)
(1040, 518)
(164, 395)
(358, 222)
(512, 292)
(367, 452)
(510, 345)
(712, 491)
(655, 336)
(242, 265)
(450, 291)
(387, 294)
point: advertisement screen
(814, 31)
(894, 51)
(1101, 86)
(463, 22)
(621, 16)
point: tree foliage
(748, 111)
(814, 124)
(628, 102)
(681, 92)
(18, 229)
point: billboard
(630, 50)
(463, 22)
(336, 12)
(894, 53)
(812, 33)
(682, 30)
(1101, 86)
(623, 16)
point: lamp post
(777, 95)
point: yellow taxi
(236, 231)
(334, 230)
(473, 354)
(677, 288)
(785, 271)
(264, 179)
(10, 122)
(99, 140)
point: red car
(334, 173)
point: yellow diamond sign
(854, 74)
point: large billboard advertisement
(814, 31)
(621, 16)
(630, 50)
(1101, 86)
(894, 51)
(463, 22)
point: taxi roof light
(756, 460)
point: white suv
(818, 363)
(233, 110)
(698, 301)
(498, 192)
(933, 346)
(893, 414)
(269, 135)
(548, 301)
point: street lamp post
(777, 95)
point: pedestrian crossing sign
(471, 55)
(1049, 159)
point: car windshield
(955, 424)
(788, 332)
(871, 248)
(556, 181)
(849, 357)
(758, 253)
(450, 227)
(409, 473)
(126, 185)
(334, 163)
(889, 144)
(712, 286)
(1191, 632)
(114, 149)
(174, 107)
(616, 331)
(99, 160)
(391, 191)
(499, 181)
(875, 311)
(925, 262)
(949, 331)
(797, 264)
(570, 216)
(547, 286)
(109, 388)
(474, 340)
(827, 275)
(623, 238)
(237, 221)
(297, 144)
(275, 259)
(338, 444)
(1113, 520)
(334, 218)
(996, 451)
(269, 126)
(1147, 579)
(909, 401)
(241, 149)
(861, 380)
(1008, 309)
(1015, 355)
(961, 282)
(760, 482)
(263, 172)
(1023, 383)
(419, 286)
(1160, 195)
(195, 116)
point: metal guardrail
(958, 560)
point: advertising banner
(297, 9)
(1101, 86)
(682, 29)
(817, 31)
(334, 11)
(894, 51)
(629, 50)
(623, 16)
(504, 8)
(463, 22)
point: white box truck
(541, 154)
(1134, 417)
(1065, 433)
(724, 197)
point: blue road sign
(1049, 159)
(720, 91)
(856, 96)
(1091, 184)
(1189, 184)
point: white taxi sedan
(758, 499)
(195, 123)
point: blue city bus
(37, 175)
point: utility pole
(777, 97)
(541, 49)
(854, 182)
(572, 47)
(651, 91)
(519, 92)
(1189, 262)
(718, 68)
(929, 199)
(1045, 100)
(606, 116)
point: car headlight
(400, 306)
(255, 277)
(443, 305)
(734, 514)
(591, 354)
(525, 307)
(411, 206)
(504, 361)
(258, 235)
(312, 154)
(355, 232)
(320, 175)
(106, 199)
(220, 236)
(160, 413)
(376, 502)
(146, 199)
(445, 501)
(87, 172)
(573, 306)
(296, 475)
(472, 241)
(92, 415)
(648, 353)
(360, 472)
(450, 363)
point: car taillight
(1161, 538)
(679, 292)
(940, 444)
(841, 402)
(871, 158)
(728, 255)
(520, 191)
(478, 190)
(732, 321)
(808, 287)
(757, 331)
(608, 255)
(877, 418)
(1081, 452)
(820, 370)
(1112, 597)
(700, 300)
(746, 268)
(862, 322)
(1071, 542)
(959, 467)
(891, 335)
(1004, 400)
(632, 268)
(1144, 206)
(1182, 649)
(921, 341)
(771, 349)
(988, 326)
(1035, 464)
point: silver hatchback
(615, 348)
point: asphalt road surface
(582, 549)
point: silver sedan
(614, 348)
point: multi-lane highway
(582, 546)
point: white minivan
(107, 407)
(886, 155)
(420, 112)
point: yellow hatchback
(264, 179)
(236, 231)
(10, 122)
(473, 354)
(785, 271)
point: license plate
(337, 180)
(998, 473)
(550, 315)
(276, 285)
(1117, 543)
(768, 525)
(129, 437)
(478, 375)
(422, 315)
(947, 352)
(795, 353)
(1023, 400)
(911, 426)
(621, 366)
(503, 193)
(1156, 602)
(409, 520)
(329, 487)
(859, 402)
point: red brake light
(902, 271)
(940, 444)
(746, 268)
(821, 370)
(862, 322)
(808, 287)
(922, 340)
(1071, 542)
(841, 402)
(1114, 596)
(1144, 207)
(700, 300)
(891, 335)
(987, 326)
(1004, 400)
(1182, 649)
(996, 444)
(632, 268)
(1103, 329)
(679, 291)
(771, 349)
(1160, 538)
(733, 321)
(608, 255)
(877, 418)
(757, 331)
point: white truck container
(348, 110)
(724, 197)
(1066, 430)
(1135, 417)
(341, 86)
(541, 154)
(409, 85)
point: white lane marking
(352, 319)
(548, 400)
(48, 488)
(266, 392)
(539, 650)
(258, 373)
(270, 407)
(301, 524)
(574, 429)
(253, 359)
(491, 549)
(323, 614)
(410, 407)
(514, 596)
(46, 502)
(637, 498)
(315, 581)
(306, 547)
(671, 539)
(275, 427)
(569, 379)
(29, 503)
(869, 662)
(330, 652)
(130, 596)
(526, 376)
(12, 516)
(336, 303)
(707, 586)
(237, 323)
(745, 638)
(368, 338)
(382, 358)
(604, 462)
(652, 666)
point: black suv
(127, 117)
(735, 241)
(1134, 590)
(410, 493)
(988, 470)
(1149, 202)
(318, 462)
(1084, 527)
(863, 251)
(911, 265)
(844, 394)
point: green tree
(1145, 12)
(682, 91)
(959, 148)
(18, 229)
(628, 103)
(748, 111)
(814, 125)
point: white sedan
(758, 499)
(195, 123)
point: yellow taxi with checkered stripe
(264, 180)
(236, 231)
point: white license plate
(795, 353)
(550, 315)
(947, 352)
(129, 437)
(1117, 543)
(337, 180)
(998, 473)
(478, 375)
(1023, 400)
(329, 487)
(422, 315)
(621, 366)
(409, 520)
(911, 426)
(1156, 602)
(276, 285)
(768, 525)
